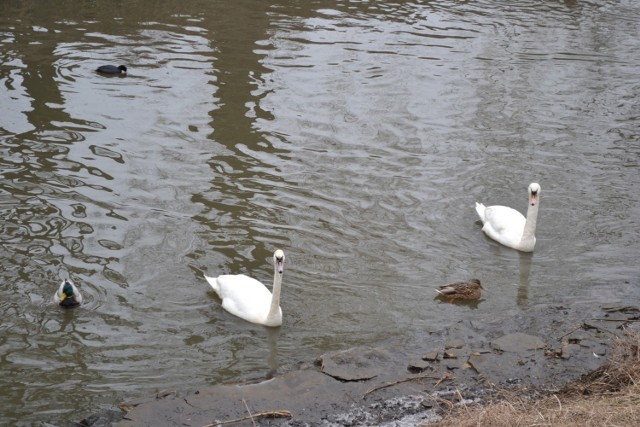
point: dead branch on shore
(249, 411)
(598, 319)
(252, 417)
(581, 326)
(445, 377)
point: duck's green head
(67, 291)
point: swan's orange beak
(280, 266)
(534, 199)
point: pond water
(355, 136)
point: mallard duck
(508, 226)
(461, 290)
(67, 295)
(112, 69)
(247, 298)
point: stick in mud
(445, 377)
(265, 414)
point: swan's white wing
(244, 296)
(504, 225)
(213, 281)
(480, 208)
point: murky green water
(356, 136)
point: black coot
(112, 69)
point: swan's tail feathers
(480, 208)
(213, 281)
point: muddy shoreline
(539, 349)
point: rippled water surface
(356, 136)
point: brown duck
(461, 290)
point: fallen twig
(583, 325)
(445, 377)
(461, 400)
(249, 411)
(266, 414)
(558, 399)
(445, 401)
(592, 326)
(571, 331)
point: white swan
(508, 226)
(67, 295)
(249, 299)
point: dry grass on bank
(610, 396)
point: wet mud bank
(539, 349)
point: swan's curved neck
(274, 310)
(528, 235)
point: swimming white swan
(67, 295)
(249, 299)
(508, 226)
